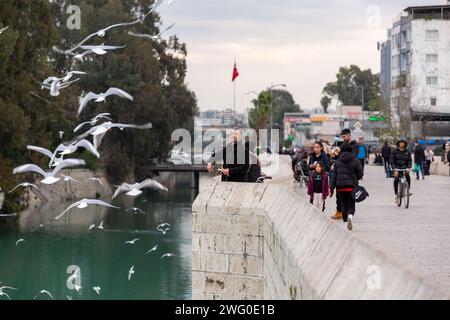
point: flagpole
(234, 97)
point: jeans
(421, 170)
(397, 180)
(348, 204)
(386, 165)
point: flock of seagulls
(98, 127)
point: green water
(42, 261)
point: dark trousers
(363, 163)
(397, 180)
(386, 165)
(427, 167)
(338, 202)
(348, 204)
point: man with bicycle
(401, 160)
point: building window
(433, 102)
(432, 58)
(432, 81)
(432, 35)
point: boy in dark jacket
(347, 172)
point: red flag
(235, 72)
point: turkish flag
(235, 72)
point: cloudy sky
(297, 42)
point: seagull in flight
(2, 293)
(163, 225)
(163, 231)
(82, 204)
(20, 241)
(69, 179)
(167, 255)
(152, 249)
(92, 226)
(43, 292)
(97, 290)
(95, 180)
(102, 33)
(99, 131)
(94, 121)
(3, 29)
(64, 150)
(100, 226)
(101, 49)
(132, 241)
(46, 153)
(49, 177)
(55, 84)
(24, 185)
(130, 273)
(135, 190)
(101, 97)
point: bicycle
(403, 188)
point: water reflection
(41, 262)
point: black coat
(419, 154)
(322, 158)
(347, 171)
(401, 159)
(238, 165)
(354, 146)
(386, 152)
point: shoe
(395, 198)
(337, 216)
(349, 225)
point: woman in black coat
(346, 174)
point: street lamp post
(272, 86)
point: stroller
(301, 172)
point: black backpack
(359, 194)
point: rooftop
(429, 12)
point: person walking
(419, 160)
(235, 159)
(347, 172)
(401, 159)
(386, 154)
(429, 158)
(363, 153)
(319, 187)
(318, 155)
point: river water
(53, 251)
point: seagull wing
(133, 126)
(118, 92)
(30, 168)
(149, 183)
(85, 100)
(43, 151)
(123, 188)
(88, 146)
(81, 125)
(74, 205)
(99, 203)
(68, 163)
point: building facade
(415, 71)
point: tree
(260, 114)
(152, 71)
(325, 103)
(350, 84)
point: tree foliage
(349, 86)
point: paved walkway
(418, 237)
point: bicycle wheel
(400, 195)
(406, 195)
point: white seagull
(101, 33)
(94, 121)
(163, 225)
(49, 177)
(130, 273)
(163, 231)
(97, 290)
(95, 180)
(24, 185)
(84, 204)
(20, 241)
(3, 29)
(46, 153)
(64, 150)
(132, 241)
(100, 226)
(101, 49)
(152, 249)
(135, 190)
(2, 293)
(69, 179)
(43, 292)
(101, 97)
(167, 255)
(92, 226)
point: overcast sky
(297, 42)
